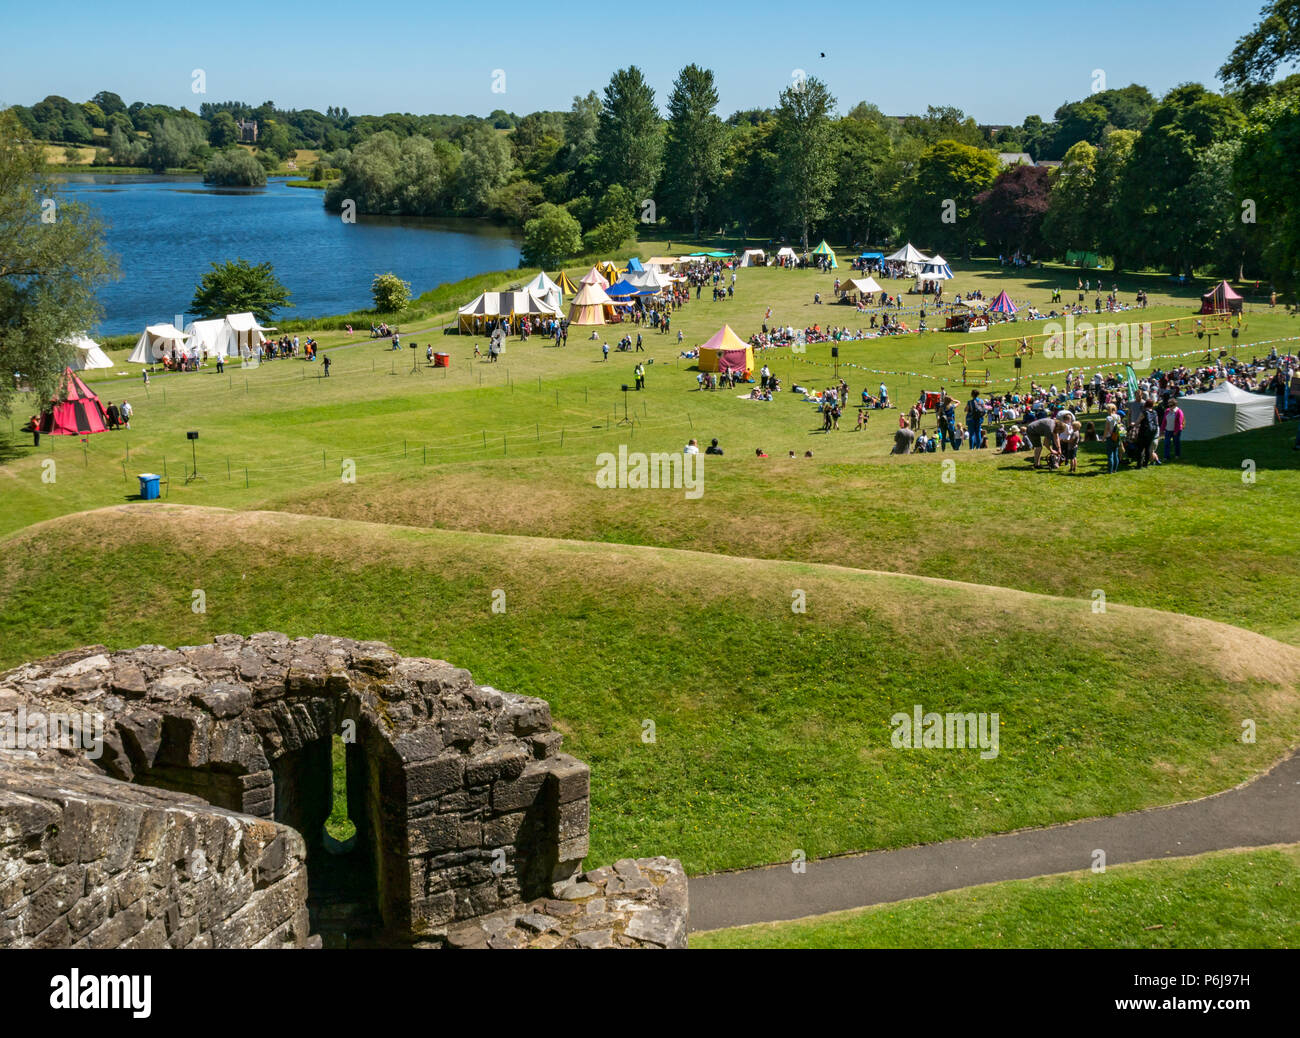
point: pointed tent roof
(634, 266)
(76, 411)
(541, 286)
(825, 250)
(155, 342)
(725, 339)
(595, 277)
(608, 271)
(88, 354)
(565, 283)
(652, 279)
(592, 295)
(1226, 289)
(936, 268)
(908, 254)
(624, 288)
(1003, 304)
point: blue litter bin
(149, 483)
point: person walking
(327, 365)
(604, 349)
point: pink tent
(1003, 304)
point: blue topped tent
(622, 288)
(634, 266)
(872, 255)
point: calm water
(166, 231)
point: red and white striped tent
(76, 411)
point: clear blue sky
(998, 62)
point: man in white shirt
(691, 448)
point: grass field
(625, 606)
(1229, 899)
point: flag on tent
(1003, 304)
(76, 411)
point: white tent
(87, 354)
(908, 254)
(864, 285)
(156, 342)
(752, 258)
(651, 278)
(545, 289)
(212, 337)
(247, 334)
(1224, 411)
(936, 269)
(786, 252)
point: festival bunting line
(1033, 376)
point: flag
(1132, 382)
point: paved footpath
(1264, 811)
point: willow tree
(52, 262)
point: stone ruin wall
(202, 822)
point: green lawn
(1229, 899)
(772, 727)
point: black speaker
(624, 388)
(191, 436)
(1018, 360)
(835, 351)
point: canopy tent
(565, 285)
(634, 266)
(595, 277)
(545, 289)
(1223, 411)
(911, 259)
(87, 354)
(652, 279)
(788, 254)
(936, 269)
(1003, 304)
(712, 255)
(726, 351)
(246, 333)
(871, 255)
(1221, 299)
(864, 286)
(608, 271)
(75, 411)
(753, 258)
(512, 307)
(971, 304)
(591, 305)
(662, 262)
(623, 289)
(157, 341)
(825, 250)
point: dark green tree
(237, 286)
(693, 149)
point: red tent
(76, 411)
(1221, 299)
(1003, 304)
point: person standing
(1147, 430)
(1114, 438)
(604, 349)
(975, 410)
(221, 363)
(326, 360)
(639, 373)
(114, 416)
(1174, 421)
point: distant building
(1049, 163)
(247, 131)
(1015, 158)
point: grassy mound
(1228, 899)
(771, 728)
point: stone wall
(463, 803)
(89, 862)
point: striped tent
(1003, 304)
(608, 271)
(76, 411)
(595, 277)
(566, 284)
(591, 306)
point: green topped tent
(825, 250)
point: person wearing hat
(1014, 441)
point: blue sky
(409, 56)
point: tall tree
(693, 148)
(52, 262)
(859, 198)
(1274, 41)
(1265, 174)
(939, 198)
(1013, 207)
(1188, 120)
(804, 153)
(1067, 224)
(630, 138)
